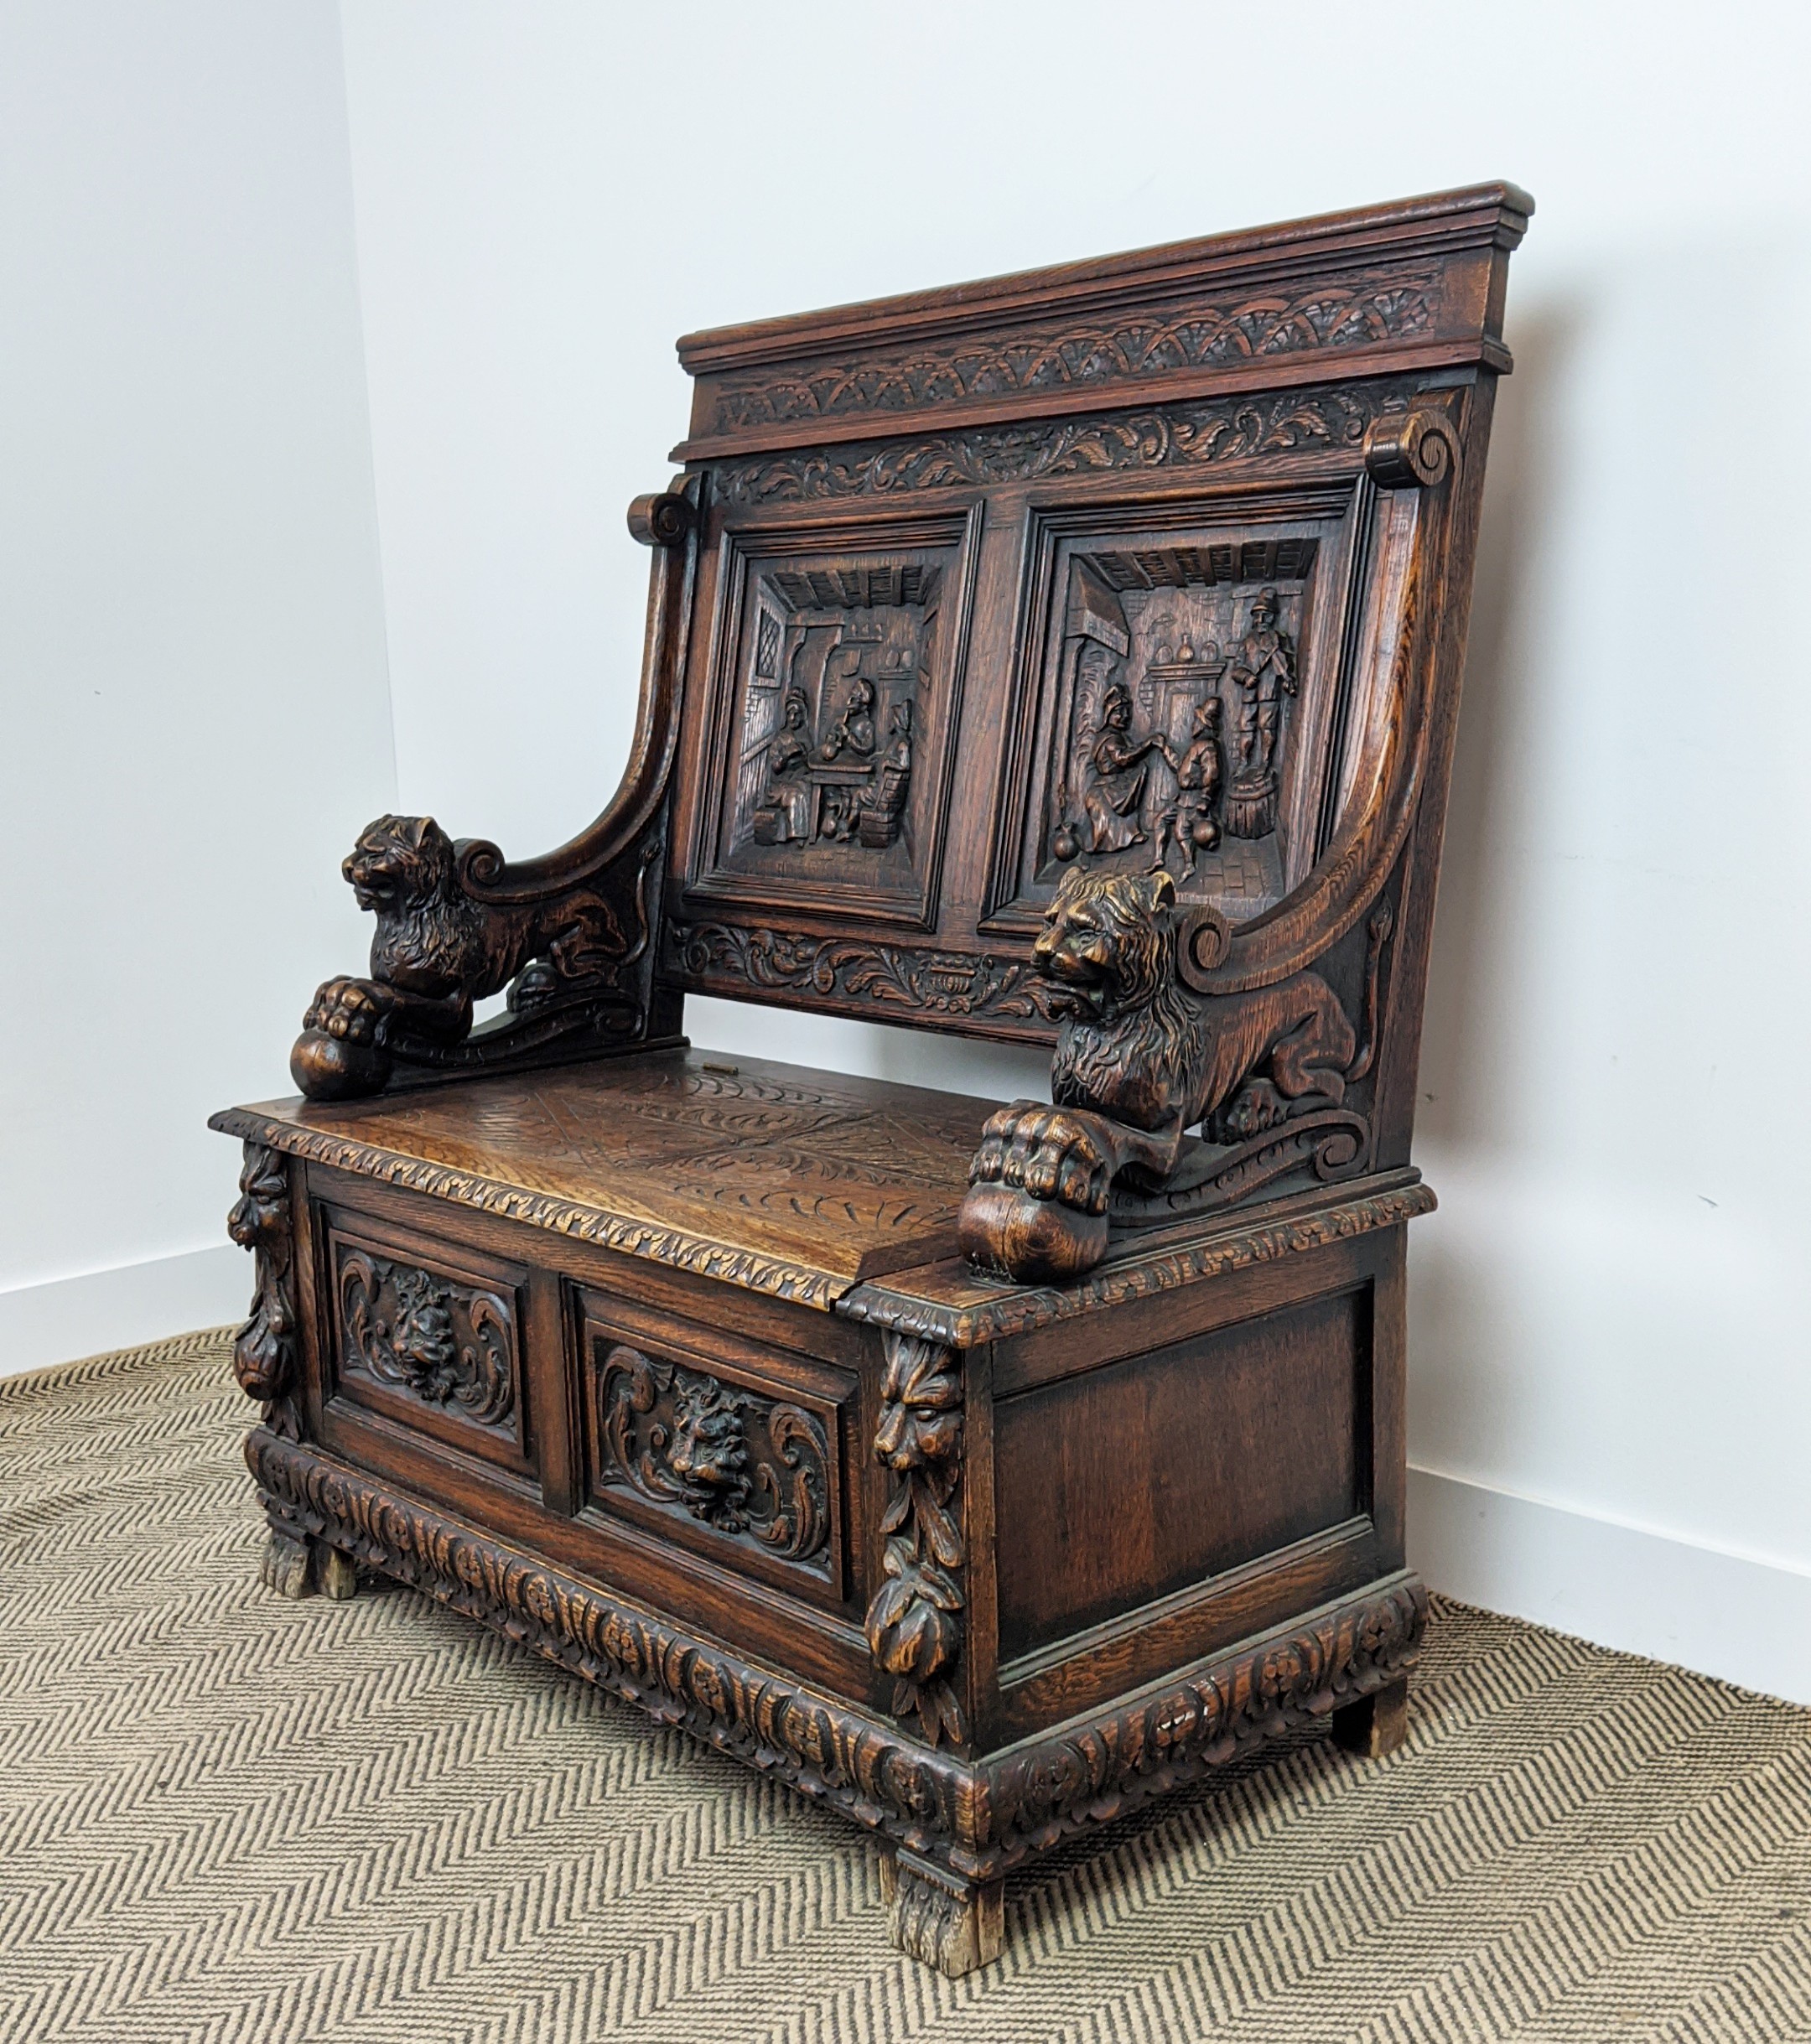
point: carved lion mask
(407, 858)
(1107, 937)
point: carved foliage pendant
(739, 1463)
(914, 1623)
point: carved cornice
(976, 1818)
(1131, 1275)
(1171, 436)
(775, 1276)
(1324, 314)
(882, 975)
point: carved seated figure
(981, 1471)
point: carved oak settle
(1071, 659)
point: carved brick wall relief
(755, 1468)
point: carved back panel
(1158, 562)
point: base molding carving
(970, 1821)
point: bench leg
(337, 1572)
(952, 1924)
(287, 1566)
(1376, 1724)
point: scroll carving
(1139, 1060)
(446, 1344)
(1415, 450)
(1360, 312)
(890, 976)
(740, 1464)
(1180, 435)
(914, 1623)
(566, 959)
(265, 1351)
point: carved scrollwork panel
(751, 1468)
(444, 1346)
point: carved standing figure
(1119, 767)
(1190, 824)
(1263, 669)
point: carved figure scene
(1175, 669)
(838, 687)
(1141, 1060)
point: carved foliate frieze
(1204, 434)
(445, 1344)
(929, 982)
(1088, 355)
(984, 1816)
(914, 1623)
(748, 1467)
(265, 1352)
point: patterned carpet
(224, 1816)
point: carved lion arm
(569, 935)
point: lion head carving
(400, 860)
(707, 1452)
(1108, 941)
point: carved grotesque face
(1103, 936)
(707, 1448)
(399, 857)
(920, 1416)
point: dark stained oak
(1069, 659)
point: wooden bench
(1071, 659)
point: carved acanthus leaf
(1182, 435)
(1096, 354)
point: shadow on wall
(1476, 922)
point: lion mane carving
(438, 949)
(1138, 1061)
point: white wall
(192, 675)
(1608, 1372)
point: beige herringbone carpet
(224, 1817)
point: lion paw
(1047, 1153)
(350, 1010)
(1257, 1105)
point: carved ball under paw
(1003, 1228)
(336, 1067)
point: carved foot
(288, 1567)
(1377, 1724)
(338, 1055)
(952, 1924)
(336, 1571)
(1036, 1205)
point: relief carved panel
(755, 1468)
(833, 704)
(444, 1345)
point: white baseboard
(71, 1317)
(1740, 1617)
